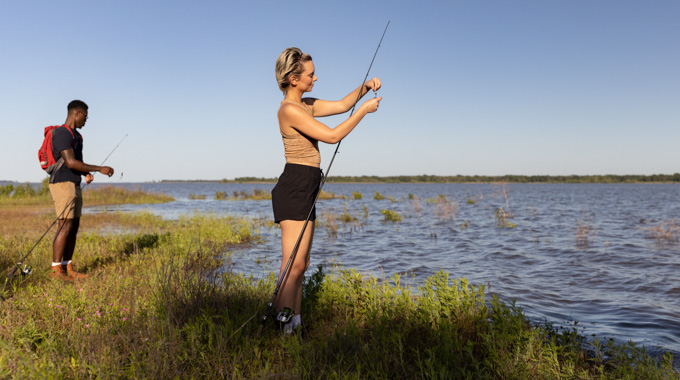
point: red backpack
(45, 153)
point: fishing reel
(26, 270)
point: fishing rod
(284, 275)
(26, 270)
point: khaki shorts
(68, 199)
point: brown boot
(58, 273)
(73, 274)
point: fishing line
(284, 275)
(26, 270)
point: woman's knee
(299, 268)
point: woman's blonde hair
(290, 63)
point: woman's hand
(371, 105)
(372, 84)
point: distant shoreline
(608, 178)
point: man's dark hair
(77, 105)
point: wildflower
(79, 319)
(87, 325)
(124, 318)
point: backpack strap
(73, 144)
(60, 161)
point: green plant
(502, 218)
(378, 196)
(346, 217)
(390, 216)
(6, 190)
(356, 195)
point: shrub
(391, 216)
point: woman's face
(306, 80)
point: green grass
(158, 304)
(26, 194)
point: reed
(197, 196)
(501, 191)
(350, 222)
(330, 195)
(107, 195)
(255, 195)
(584, 233)
(667, 231)
(444, 208)
(415, 204)
(329, 221)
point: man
(67, 143)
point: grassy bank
(27, 195)
(159, 304)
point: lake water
(577, 252)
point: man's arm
(72, 163)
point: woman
(294, 194)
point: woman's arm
(334, 107)
(295, 117)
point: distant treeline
(608, 178)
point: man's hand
(106, 170)
(88, 178)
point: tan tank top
(298, 148)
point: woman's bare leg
(290, 293)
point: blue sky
(469, 87)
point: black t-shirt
(63, 140)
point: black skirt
(294, 194)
